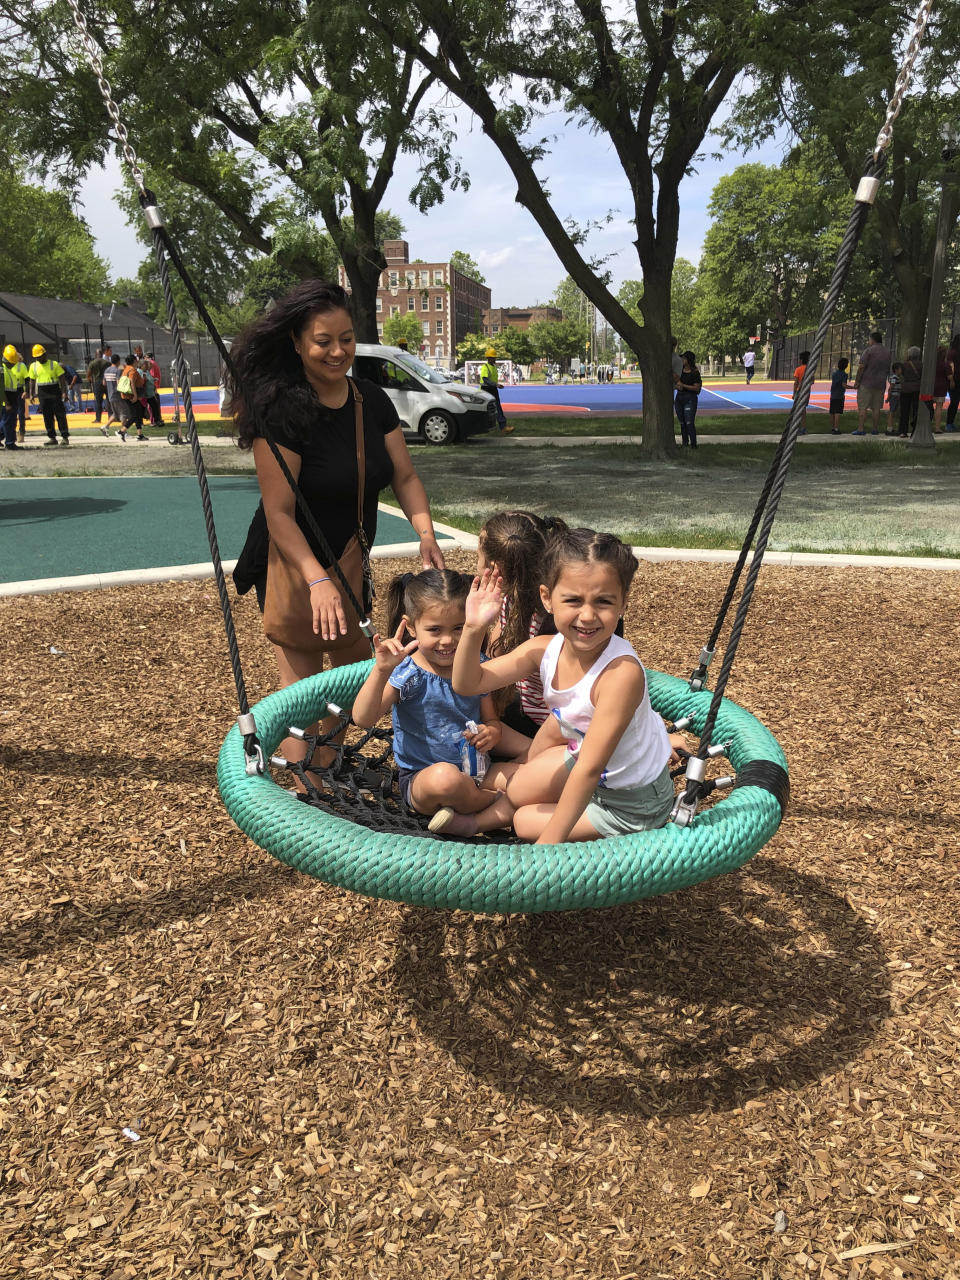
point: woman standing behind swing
(291, 367)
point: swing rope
(165, 251)
(686, 806)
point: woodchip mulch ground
(212, 1066)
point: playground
(218, 1067)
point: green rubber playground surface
(58, 528)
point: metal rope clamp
(254, 762)
(698, 679)
(684, 811)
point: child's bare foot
(449, 822)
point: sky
(520, 267)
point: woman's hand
(487, 737)
(329, 619)
(389, 653)
(430, 554)
(484, 599)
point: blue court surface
(84, 525)
(626, 398)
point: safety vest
(45, 372)
(21, 373)
(9, 377)
(489, 372)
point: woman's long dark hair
(271, 385)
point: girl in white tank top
(599, 763)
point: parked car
(432, 408)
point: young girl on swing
(432, 723)
(599, 765)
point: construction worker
(48, 382)
(11, 398)
(21, 374)
(489, 378)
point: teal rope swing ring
(487, 877)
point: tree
(832, 90)
(648, 79)
(278, 106)
(558, 341)
(47, 249)
(407, 327)
(463, 263)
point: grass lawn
(855, 496)
(587, 424)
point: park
(261, 1020)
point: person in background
(894, 384)
(21, 373)
(749, 364)
(838, 390)
(74, 398)
(798, 373)
(110, 375)
(871, 383)
(941, 385)
(150, 391)
(12, 395)
(131, 410)
(910, 370)
(489, 379)
(689, 385)
(48, 383)
(95, 377)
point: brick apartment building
(448, 303)
(496, 319)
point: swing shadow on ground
(37, 510)
(700, 1000)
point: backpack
(125, 387)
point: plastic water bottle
(474, 763)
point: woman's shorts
(618, 811)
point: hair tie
(406, 579)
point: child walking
(412, 680)
(894, 385)
(798, 373)
(838, 390)
(599, 763)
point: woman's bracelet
(316, 580)
(427, 533)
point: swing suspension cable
(165, 251)
(686, 806)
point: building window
(495, 328)
(438, 302)
(439, 329)
(424, 279)
(411, 303)
(426, 328)
(379, 330)
(394, 279)
(411, 279)
(439, 350)
(424, 302)
(379, 304)
(438, 277)
(394, 311)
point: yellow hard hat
(9, 353)
(491, 354)
(38, 351)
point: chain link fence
(77, 343)
(850, 340)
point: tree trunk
(652, 345)
(913, 309)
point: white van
(432, 408)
